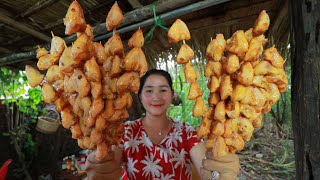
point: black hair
(160, 72)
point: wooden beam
(5, 50)
(24, 28)
(281, 16)
(135, 4)
(38, 6)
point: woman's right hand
(107, 168)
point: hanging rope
(157, 22)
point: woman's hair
(160, 72)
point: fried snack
(185, 54)
(48, 93)
(233, 109)
(261, 24)
(213, 84)
(46, 61)
(82, 48)
(114, 17)
(66, 63)
(255, 49)
(96, 89)
(114, 46)
(178, 32)
(60, 103)
(100, 54)
(215, 49)
(225, 87)
(57, 45)
(213, 68)
(204, 128)
(68, 118)
(218, 145)
(74, 20)
(41, 52)
(190, 73)
(53, 74)
(194, 91)
(245, 128)
(137, 39)
(217, 129)
(80, 83)
(232, 64)
(58, 86)
(116, 68)
(76, 131)
(245, 74)
(199, 108)
(136, 61)
(272, 55)
(214, 98)
(237, 44)
(129, 81)
(92, 70)
(34, 76)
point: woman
(156, 147)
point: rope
(157, 23)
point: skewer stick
(184, 41)
(114, 31)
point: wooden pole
(11, 22)
(131, 17)
(305, 53)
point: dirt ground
(269, 155)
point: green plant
(22, 108)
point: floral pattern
(168, 160)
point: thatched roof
(25, 25)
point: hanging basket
(48, 125)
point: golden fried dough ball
(264, 68)
(230, 128)
(219, 147)
(96, 137)
(119, 115)
(88, 32)
(204, 128)
(137, 39)
(129, 81)
(213, 84)
(108, 109)
(100, 54)
(114, 17)
(245, 74)
(80, 82)
(46, 61)
(76, 131)
(239, 93)
(233, 109)
(60, 103)
(220, 111)
(232, 64)
(96, 89)
(245, 128)
(53, 74)
(194, 91)
(114, 46)
(34, 76)
(217, 129)
(237, 44)
(190, 73)
(178, 32)
(214, 98)
(116, 66)
(41, 52)
(199, 108)
(82, 49)
(96, 108)
(185, 54)
(68, 118)
(260, 81)
(225, 87)
(74, 20)
(66, 62)
(92, 70)
(271, 54)
(58, 86)
(261, 24)
(101, 123)
(235, 142)
(257, 122)
(57, 45)
(215, 49)
(135, 60)
(258, 98)
(123, 101)
(248, 34)
(48, 93)
(255, 49)
(213, 68)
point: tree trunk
(305, 28)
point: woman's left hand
(227, 166)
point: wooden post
(305, 43)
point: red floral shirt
(170, 159)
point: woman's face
(156, 95)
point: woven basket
(48, 125)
